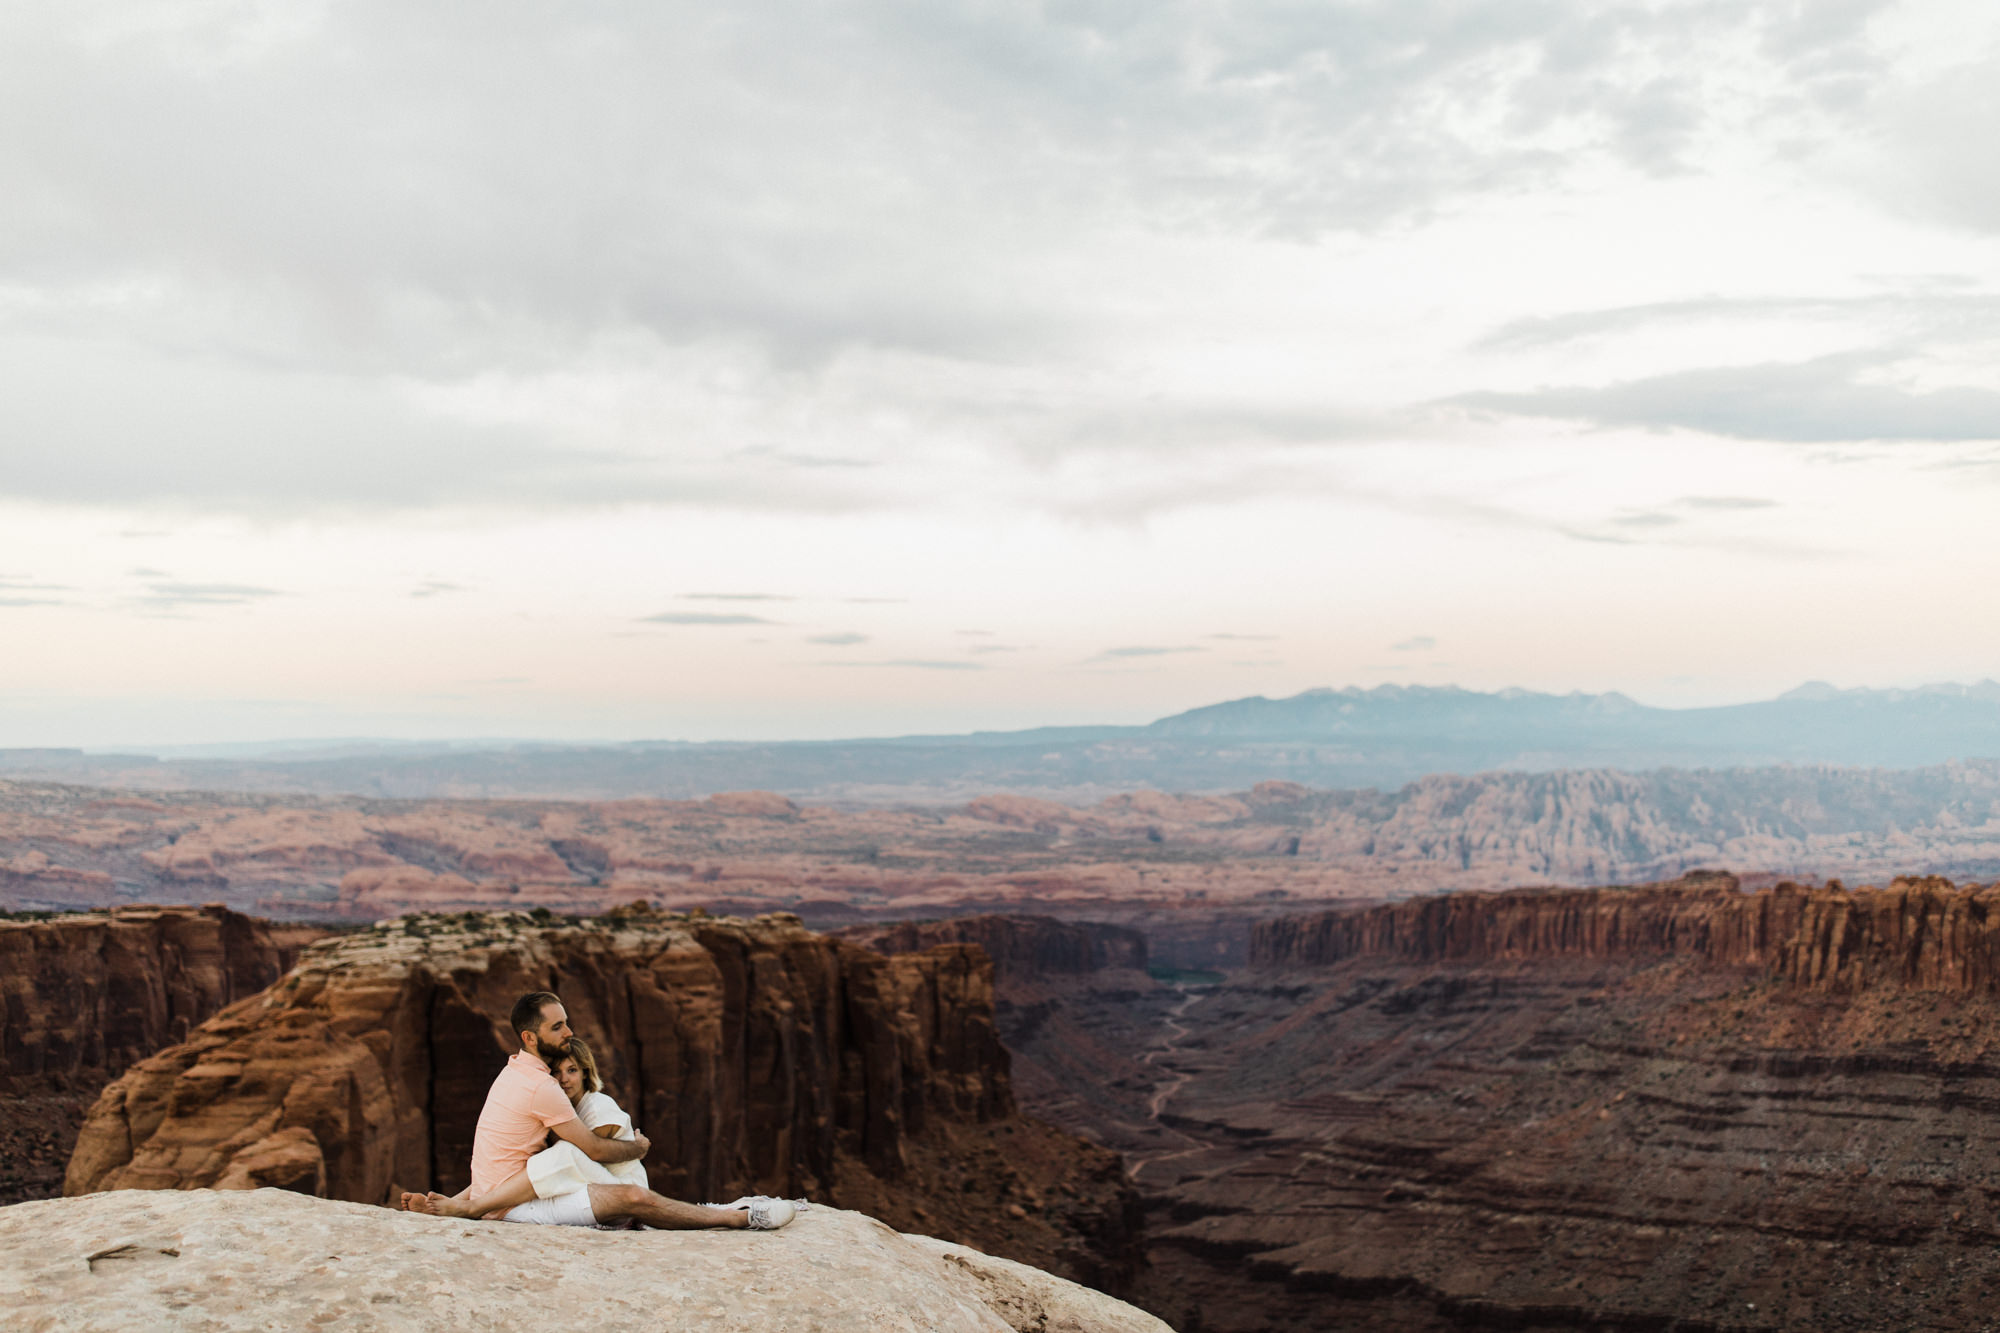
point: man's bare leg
(515, 1190)
(612, 1202)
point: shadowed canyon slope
(85, 996)
(758, 1056)
(1679, 1106)
(1273, 845)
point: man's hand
(604, 1152)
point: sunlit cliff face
(799, 376)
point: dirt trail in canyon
(1164, 1091)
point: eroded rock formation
(89, 993)
(83, 996)
(272, 1259)
(1020, 946)
(1676, 1106)
(1277, 846)
(758, 1057)
(1921, 933)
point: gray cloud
(1420, 643)
(1242, 638)
(288, 307)
(837, 640)
(1809, 402)
(1145, 650)
(175, 596)
(735, 597)
(1502, 517)
(1917, 311)
(1726, 502)
(211, 433)
(704, 618)
(912, 663)
(1646, 518)
(1927, 162)
(435, 587)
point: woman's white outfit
(564, 1168)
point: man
(525, 1103)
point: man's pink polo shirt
(524, 1104)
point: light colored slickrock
(272, 1259)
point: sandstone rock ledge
(273, 1259)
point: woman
(600, 1114)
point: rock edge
(269, 1258)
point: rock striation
(1020, 946)
(84, 995)
(1277, 846)
(1678, 1105)
(89, 993)
(1076, 1008)
(272, 1259)
(757, 1055)
(1922, 933)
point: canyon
(1209, 1052)
(758, 1056)
(1191, 872)
(1681, 1105)
(85, 996)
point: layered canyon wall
(1020, 946)
(1677, 1105)
(1922, 933)
(83, 996)
(1277, 846)
(757, 1055)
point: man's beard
(550, 1052)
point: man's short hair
(528, 1011)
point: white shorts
(564, 1168)
(564, 1210)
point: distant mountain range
(1328, 738)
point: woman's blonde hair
(580, 1051)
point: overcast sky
(640, 370)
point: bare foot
(435, 1205)
(443, 1205)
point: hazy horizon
(275, 744)
(651, 371)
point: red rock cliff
(757, 1055)
(1020, 946)
(85, 996)
(749, 1051)
(1924, 934)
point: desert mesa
(356, 859)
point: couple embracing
(591, 1176)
